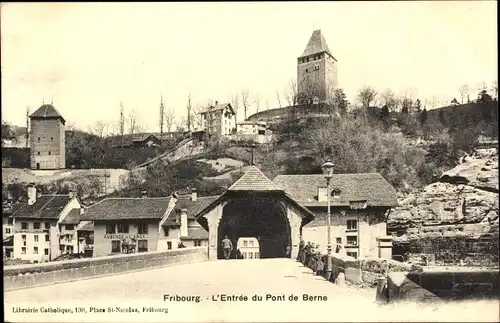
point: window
(257, 256)
(169, 245)
(38, 153)
(23, 250)
(10, 221)
(36, 225)
(35, 250)
(339, 240)
(51, 138)
(47, 225)
(122, 228)
(47, 238)
(250, 255)
(142, 228)
(115, 246)
(307, 70)
(24, 225)
(23, 237)
(110, 228)
(50, 153)
(245, 243)
(165, 231)
(70, 226)
(142, 245)
(352, 224)
(39, 140)
(35, 237)
(7, 230)
(352, 254)
(197, 243)
(251, 243)
(46, 251)
(352, 240)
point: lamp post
(327, 168)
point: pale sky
(87, 57)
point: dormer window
(322, 194)
(336, 192)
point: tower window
(51, 138)
(38, 138)
(307, 70)
(49, 153)
(38, 153)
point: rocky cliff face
(463, 201)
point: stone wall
(24, 276)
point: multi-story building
(316, 70)
(37, 225)
(48, 141)
(126, 225)
(181, 225)
(8, 227)
(359, 208)
(252, 130)
(218, 120)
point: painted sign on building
(125, 236)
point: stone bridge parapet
(34, 275)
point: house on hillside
(256, 131)
(360, 204)
(38, 226)
(142, 140)
(126, 225)
(8, 209)
(181, 225)
(218, 120)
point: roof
(9, 209)
(317, 44)
(45, 207)
(128, 208)
(47, 111)
(196, 234)
(192, 207)
(254, 180)
(89, 226)
(369, 187)
(217, 107)
(73, 217)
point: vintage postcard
(250, 162)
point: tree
(169, 118)
(6, 130)
(484, 97)
(494, 89)
(418, 105)
(406, 104)
(340, 101)
(290, 93)
(278, 98)
(389, 99)
(188, 121)
(99, 129)
(132, 123)
(442, 118)
(162, 114)
(235, 103)
(256, 100)
(423, 116)
(121, 122)
(366, 96)
(245, 101)
(465, 93)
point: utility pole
(162, 115)
(189, 113)
(253, 150)
(122, 122)
(27, 125)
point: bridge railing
(33, 275)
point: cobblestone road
(220, 287)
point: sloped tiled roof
(217, 107)
(45, 207)
(317, 44)
(46, 111)
(73, 217)
(196, 234)
(89, 226)
(369, 187)
(254, 180)
(8, 210)
(192, 207)
(128, 209)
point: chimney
(82, 210)
(184, 224)
(32, 194)
(322, 194)
(144, 194)
(194, 195)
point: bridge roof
(254, 180)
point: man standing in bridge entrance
(227, 246)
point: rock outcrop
(464, 201)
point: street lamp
(327, 168)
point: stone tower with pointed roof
(48, 140)
(316, 70)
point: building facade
(252, 130)
(316, 70)
(48, 140)
(218, 120)
(37, 226)
(360, 204)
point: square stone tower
(316, 70)
(48, 139)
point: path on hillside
(208, 279)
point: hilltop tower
(48, 139)
(316, 70)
